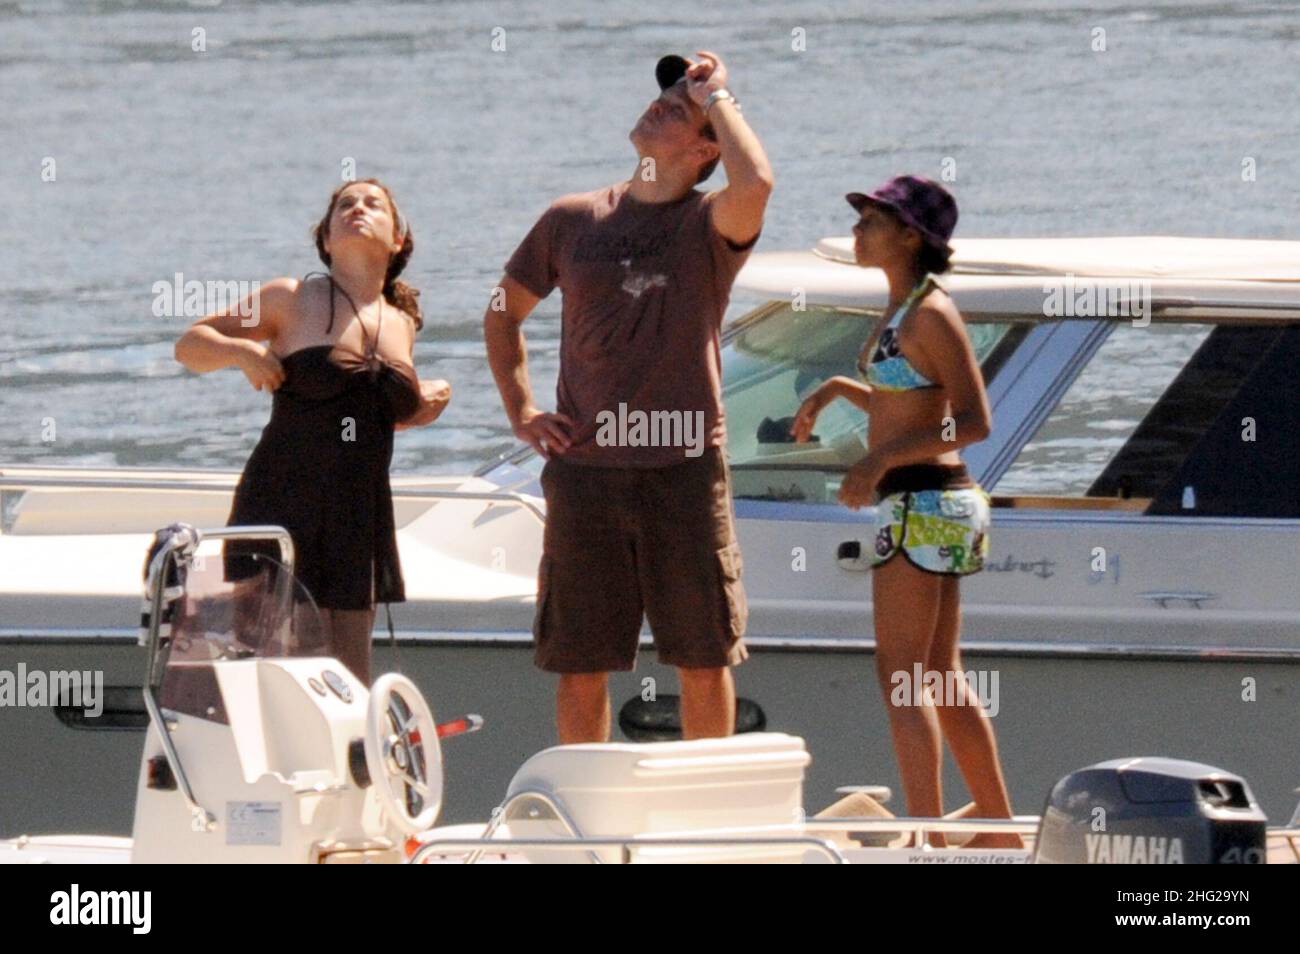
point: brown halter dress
(320, 470)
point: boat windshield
(213, 618)
(774, 358)
(773, 363)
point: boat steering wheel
(402, 753)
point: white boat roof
(1007, 274)
(1148, 256)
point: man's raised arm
(739, 206)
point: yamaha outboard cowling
(1151, 811)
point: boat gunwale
(521, 639)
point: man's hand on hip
(545, 432)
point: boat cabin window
(1192, 418)
(770, 363)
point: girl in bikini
(924, 392)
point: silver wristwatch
(716, 96)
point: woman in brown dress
(337, 351)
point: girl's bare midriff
(896, 415)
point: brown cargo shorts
(626, 543)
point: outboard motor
(1151, 811)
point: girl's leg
(906, 611)
(350, 638)
(966, 725)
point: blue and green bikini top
(889, 369)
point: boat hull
(1054, 715)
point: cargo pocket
(730, 565)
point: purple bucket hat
(921, 203)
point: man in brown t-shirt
(639, 514)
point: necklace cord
(370, 352)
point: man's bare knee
(703, 679)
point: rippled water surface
(214, 164)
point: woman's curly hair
(398, 293)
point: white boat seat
(879, 793)
(750, 781)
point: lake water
(215, 163)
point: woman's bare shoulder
(291, 299)
(314, 284)
(309, 293)
(409, 323)
(938, 324)
(937, 306)
(284, 291)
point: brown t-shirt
(645, 288)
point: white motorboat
(1141, 584)
(260, 749)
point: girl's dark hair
(929, 260)
(933, 260)
(398, 293)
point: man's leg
(689, 569)
(582, 707)
(588, 619)
(708, 703)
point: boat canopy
(1009, 275)
(1148, 256)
